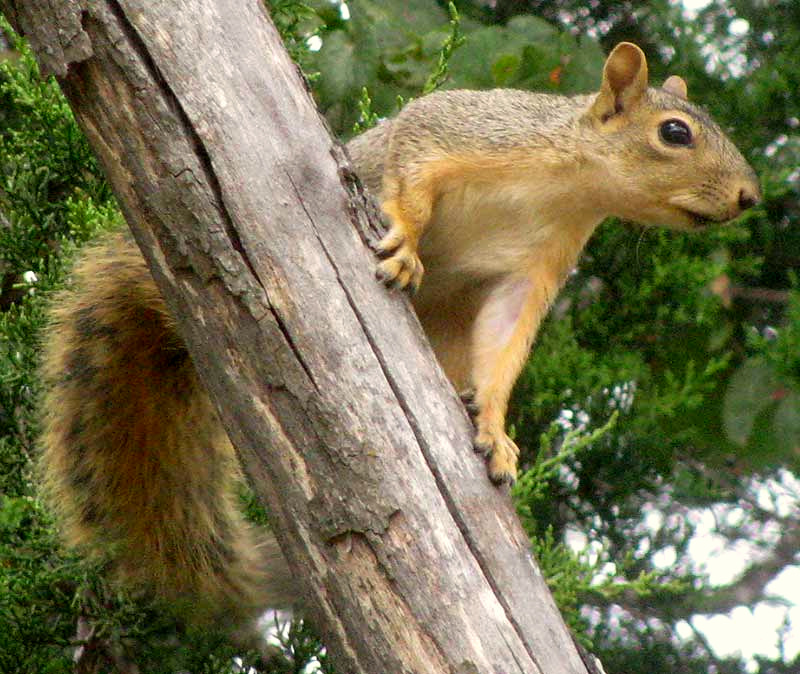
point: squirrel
(493, 193)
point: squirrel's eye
(675, 132)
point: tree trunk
(254, 229)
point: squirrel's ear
(676, 86)
(624, 81)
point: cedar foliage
(665, 385)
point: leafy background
(659, 416)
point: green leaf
(786, 424)
(337, 65)
(471, 65)
(583, 67)
(749, 392)
(531, 28)
(12, 512)
(505, 68)
(762, 413)
(527, 53)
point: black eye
(675, 132)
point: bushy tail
(134, 457)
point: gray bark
(254, 229)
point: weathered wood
(255, 232)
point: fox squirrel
(494, 192)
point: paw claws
(501, 456)
(389, 244)
(401, 267)
(502, 478)
(483, 449)
(384, 252)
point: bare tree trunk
(255, 232)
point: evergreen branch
(747, 590)
(452, 42)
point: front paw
(400, 266)
(501, 453)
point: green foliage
(761, 408)
(527, 53)
(390, 48)
(567, 574)
(18, 386)
(781, 348)
(452, 42)
(45, 594)
(532, 483)
(403, 49)
(653, 331)
(44, 160)
(37, 618)
(303, 646)
(366, 117)
(297, 22)
(52, 197)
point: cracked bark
(408, 558)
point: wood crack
(426, 453)
(203, 157)
(292, 346)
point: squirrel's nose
(748, 197)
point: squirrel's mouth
(701, 220)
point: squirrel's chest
(485, 228)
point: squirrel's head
(668, 162)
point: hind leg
(504, 330)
